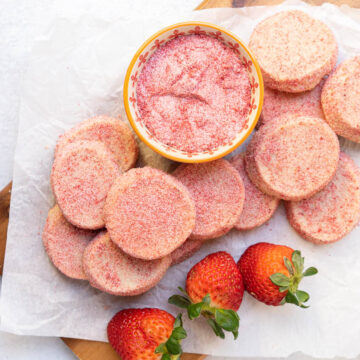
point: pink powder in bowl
(193, 94)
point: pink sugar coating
(185, 251)
(111, 270)
(218, 192)
(333, 212)
(277, 103)
(81, 177)
(65, 244)
(292, 157)
(340, 99)
(258, 207)
(194, 94)
(149, 213)
(294, 50)
(114, 133)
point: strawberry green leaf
(304, 306)
(302, 296)
(291, 298)
(166, 357)
(288, 265)
(179, 301)
(283, 301)
(236, 334)
(227, 319)
(206, 300)
(173, 346)
(310, 271)
(280, 279)
(296, 260)
(160, 349)
(183, 291)
(179, 333)
(283, 288)
(178, 321)
(194, 310)
(217, 329)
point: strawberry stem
(171, 349)
(289, 284)
(218, 319)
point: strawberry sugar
(193, 94)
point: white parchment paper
(77, 71)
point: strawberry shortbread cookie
(292, 157)
(218, 192)
(333, 212)
(65, 244)
(258, 207)
(294, 50)
(277, 103)
(340, 99)
(81, 177)
(111, 270)
(186, 250)
(114, 133)
(149, 213)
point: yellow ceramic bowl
(144, 53)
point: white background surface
(20, 22)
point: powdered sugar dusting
(194, 93)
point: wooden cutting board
(95, 350)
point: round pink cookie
(340, 99)
(149, 213)
(333, 212)
(111, 270)
(294, 50)
(218, 192)
(277, 103)
(114, 133)
(65, 244)
(292, 157)
(258, 207)
(81, 177)
(186, 250)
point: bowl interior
(144, 53)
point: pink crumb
(194, 93)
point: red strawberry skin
(257, 264)
(217, 275)
(135, 333)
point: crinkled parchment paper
(76, 71)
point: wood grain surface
(95, 350)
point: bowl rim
(127, 81)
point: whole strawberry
(214, 289)
(272, 274)
(146, 334)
